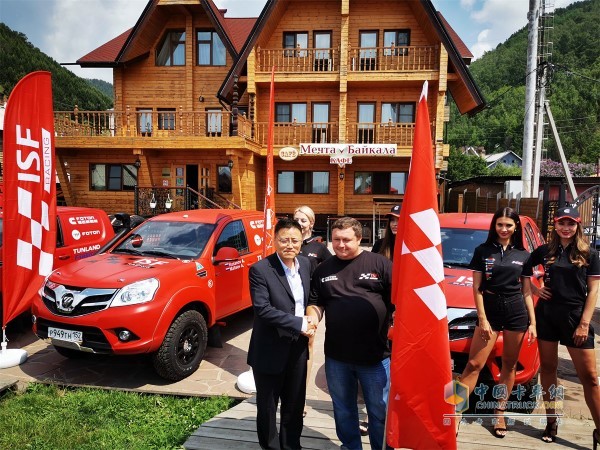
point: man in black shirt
(353, 290)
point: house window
(172, 49)
(397, 113)
(366, 123)
(166, 118)
(290, 112)
(113, 177)
(211, 51)
(379, 183)
(303, 182)
(224, 173)
(295, 44)
(392, 39)
(322, 44)
(368, 50)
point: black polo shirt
(355, 294)
(501, 269)
(567, 282)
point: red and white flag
(269, 224)
(418, 415)
(29, 212)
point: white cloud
(467, 4)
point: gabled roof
(458, 54)
(490, 159)
(458, 42)
(233, 32)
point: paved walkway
(218, 373)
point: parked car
(158, 290)
(80, 233)
(461, 233)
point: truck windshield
(458, 245)
(182, 240)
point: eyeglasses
(288, 241)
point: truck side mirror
(226, 254)
(136, 240)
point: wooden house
(192, 105)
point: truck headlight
(135, 293)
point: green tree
(461, 166)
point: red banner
(418, 415)
(29, 236)
(269, 225)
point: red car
(461, 233)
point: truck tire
(183, 348)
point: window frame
(174, 46)
(291, 112)
(171, 118)
(303, 182)
(212, 46)
(294, 51)
(219, 174)
(395, 50)
(396, 120)
(376, 183)
(109, 175)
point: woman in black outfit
(564, 311)
(385, 246)
(501, 305)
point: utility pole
(530, 95)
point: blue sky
(66, 30)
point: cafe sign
(342, 154)
(288, 153)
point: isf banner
(29, 212)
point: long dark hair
(388, 241)
(517, 237)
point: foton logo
(257, 224)
(82, 220)
(76, 234)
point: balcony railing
(302, 60)
(381, 133)
(361, 59)
(401, 59)
(148, 123)
(286, 133)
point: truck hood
(459, 288)
(116, 271)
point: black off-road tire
(183, 348)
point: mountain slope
(18, 57)
(573, 87)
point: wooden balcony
(363, 59)
(361, 133)
(149, 124)
(300, 60)
(394, 59)
(293, 133)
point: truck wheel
(69, 352)
(182, 350)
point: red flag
(420, 366)
(269, 224)
(29, 237)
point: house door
(368, 50)
(322, 40)
(366, 123)
(320, 119)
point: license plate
(65, 335)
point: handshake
(313, 323)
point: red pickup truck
(158, 290)
(80, 233)
(461, 233)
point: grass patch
(52, 417)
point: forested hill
(574, 89)
(18, 57)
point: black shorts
(557, 323)
(505, 313)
